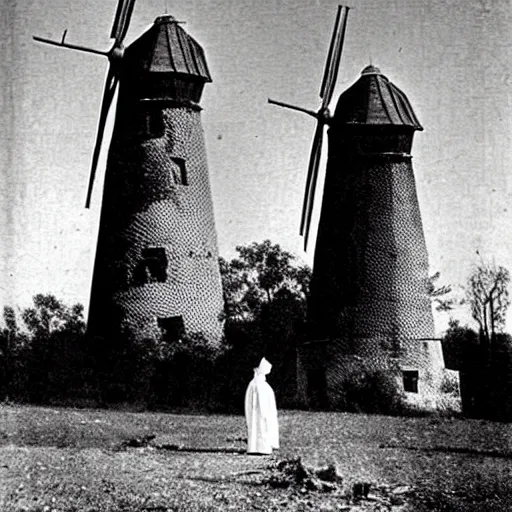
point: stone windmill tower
(156, 271)
(369, 307)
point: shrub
(450, 384)
(370, 390)
(186, 374)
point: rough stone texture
(145, 205)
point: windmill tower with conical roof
(156, 270)
(368, 308)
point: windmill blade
(328, 62)
(309, 195)
(122, 20)
(312, 113)
(108, 96)
(334, 56)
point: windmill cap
(167, 48)
(165, 18)
(371, 70)
(374, 100)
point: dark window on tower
(153, 266)
(172, 328)
(180, 174)
(410, 381)
(151, 123)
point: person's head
(263, 368)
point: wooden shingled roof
(167, 48)
(374, 100)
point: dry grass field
(61, 459)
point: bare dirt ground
(61, 459)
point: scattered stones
(329, 474)
(292, 472)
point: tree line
(45, 355)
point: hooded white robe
(261, 413)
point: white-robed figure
(261, 413)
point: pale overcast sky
(451, 57)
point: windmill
(368, 307)
(156, 272)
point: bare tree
(488, 297)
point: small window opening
(410, 381)
(153, 266)
(172, 328)
(180, 174)
(151, 123)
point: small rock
(376, 498)
(329, 474)
(328, 486)
(402, 489)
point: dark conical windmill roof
(167, 48)
(374, 100)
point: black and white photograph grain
(255, 255)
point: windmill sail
(108, 96)
(326, 90)
(122, 20)
(334, 56)
(118, 33)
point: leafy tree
(488, 297)
(50, 315)
(42, 356)
(13, 356)
(265, 292)
(461, 345)
(261, 273)
(57, 352)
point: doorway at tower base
(330, 372)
